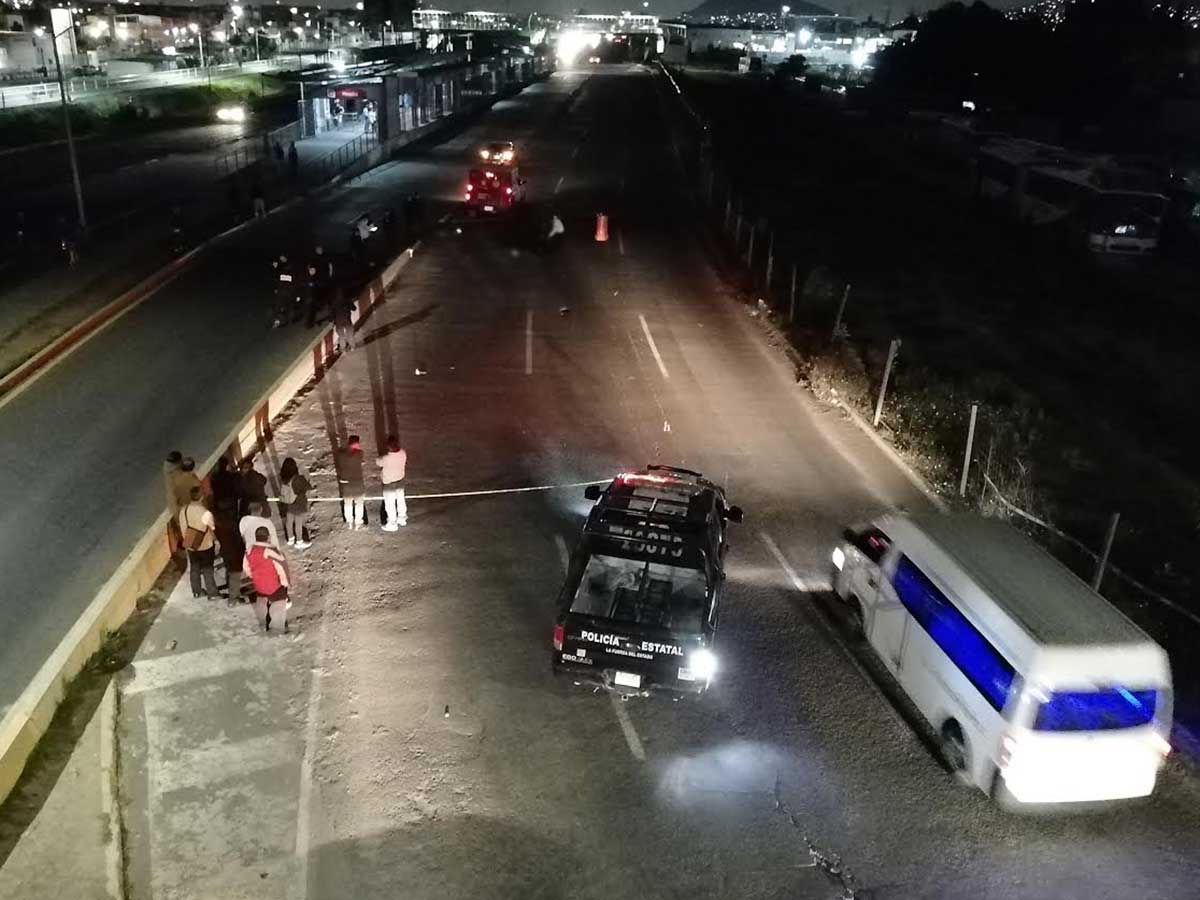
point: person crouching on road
(199, 537)
(350, 482)
(391, 472)
(293, 503)
(269, 575)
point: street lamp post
(254, 31)
(195, 29)
(62, 95)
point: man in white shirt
(254, 519)
(392, 467)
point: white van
(1041, 691)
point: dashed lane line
(631, 735)
(653, 347)
(529, 342)
(620, 242)
(558, 186)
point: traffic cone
(601, 227)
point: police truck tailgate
(624, 656)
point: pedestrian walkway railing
(342, 158)
(248, 153)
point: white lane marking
(806, 588)
(799, 583)
(564, 555)
(575, 152)
(182, 668)
(222, 762)
(558, 186)
(529, 342)
(890, 452)
(653, 347)
(620, 242)
(631, 735)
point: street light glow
(237, 11)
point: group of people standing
(308, 293)
(233, 518)
(392, 464)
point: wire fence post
(792, 302)
(887, 374)
(750, 251)
(966, 468)
(737, 234)
(1102, 563)
(728, 209)
(770, 259)
(837, 323)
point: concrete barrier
(30, 716)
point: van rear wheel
(954, 748)
(855, 620)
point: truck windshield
(1100, 710)
(642, 593)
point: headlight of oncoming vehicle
(231, 113)
(839, 558)
(701, 666)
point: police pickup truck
(640, 606)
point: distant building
(621, 23)
(444, 20)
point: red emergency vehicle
(493, 190)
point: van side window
(990, 673)
(872, 543)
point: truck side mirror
(734, 514)
(591, 492)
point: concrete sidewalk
(60, 834)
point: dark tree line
(1107, 63)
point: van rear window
(1102, 710)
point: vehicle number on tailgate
(628, 679)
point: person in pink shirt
(268, 572)
(392, 467)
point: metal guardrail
(344, 156)
(45, 92)
(249, 153)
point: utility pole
(62, 95)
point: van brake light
(559, 636)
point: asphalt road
(82, 446)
